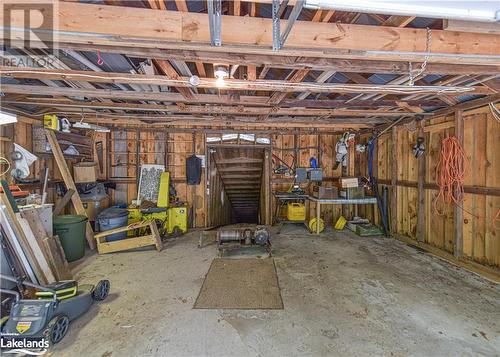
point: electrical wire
(452, 167)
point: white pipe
(482, 11)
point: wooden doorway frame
(266, 190)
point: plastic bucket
(71, 232)
(112, 218)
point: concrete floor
(343, 295)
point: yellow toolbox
(177, 220)
(296, 211)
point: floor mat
(240, 284)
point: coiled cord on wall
(451, 169)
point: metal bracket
(279, 40)
(276, 25)
(214, 8)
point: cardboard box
(85, 172)
(346, 182)
(325, 192)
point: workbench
(281, 199)
(338, 201)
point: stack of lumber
(42, 253)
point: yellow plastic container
(341, 222)
(177, 220)
(295, 211)
(50, 122)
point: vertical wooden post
(394, 182)
(205, 187)
(420, 189)
(137, 159)
(70, 184)
(458, 212)
(319, 150)
(193, 188)
(267, 186)
(318, 215)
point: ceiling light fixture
(221, 72)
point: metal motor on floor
(243, 237)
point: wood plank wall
(296, 151)
(217, 200)
(21, 133)
(482, 147)
(481, 144)
(132, 148)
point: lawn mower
(48, 316)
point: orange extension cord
(451, 169)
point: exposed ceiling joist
(166, 68)
(292, 62)
(209, 109)
(186, 30)
(291, 85)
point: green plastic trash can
(71, 232)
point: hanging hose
(451, 169)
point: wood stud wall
(482, 199)
(482, 145)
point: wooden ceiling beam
(171, 78)
(169, 71)
(291, 62)
(398, 21)
(181, 5)
(247, 100)
(322, 78)
(186, 30)
(175, 122)
(236, 7)
(207, 109)
(227, 121)
(278, 97)
(297, 77)
(153, 96)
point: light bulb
(220, 82)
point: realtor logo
(29, 25)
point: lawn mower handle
(11, 292)
(31, 285)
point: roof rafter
(177, 30)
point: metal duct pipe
(482, 11)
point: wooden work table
(285, 196)
(338, 201)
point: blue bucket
(112, 218)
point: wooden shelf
(82, 143)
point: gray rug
(240, 284)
